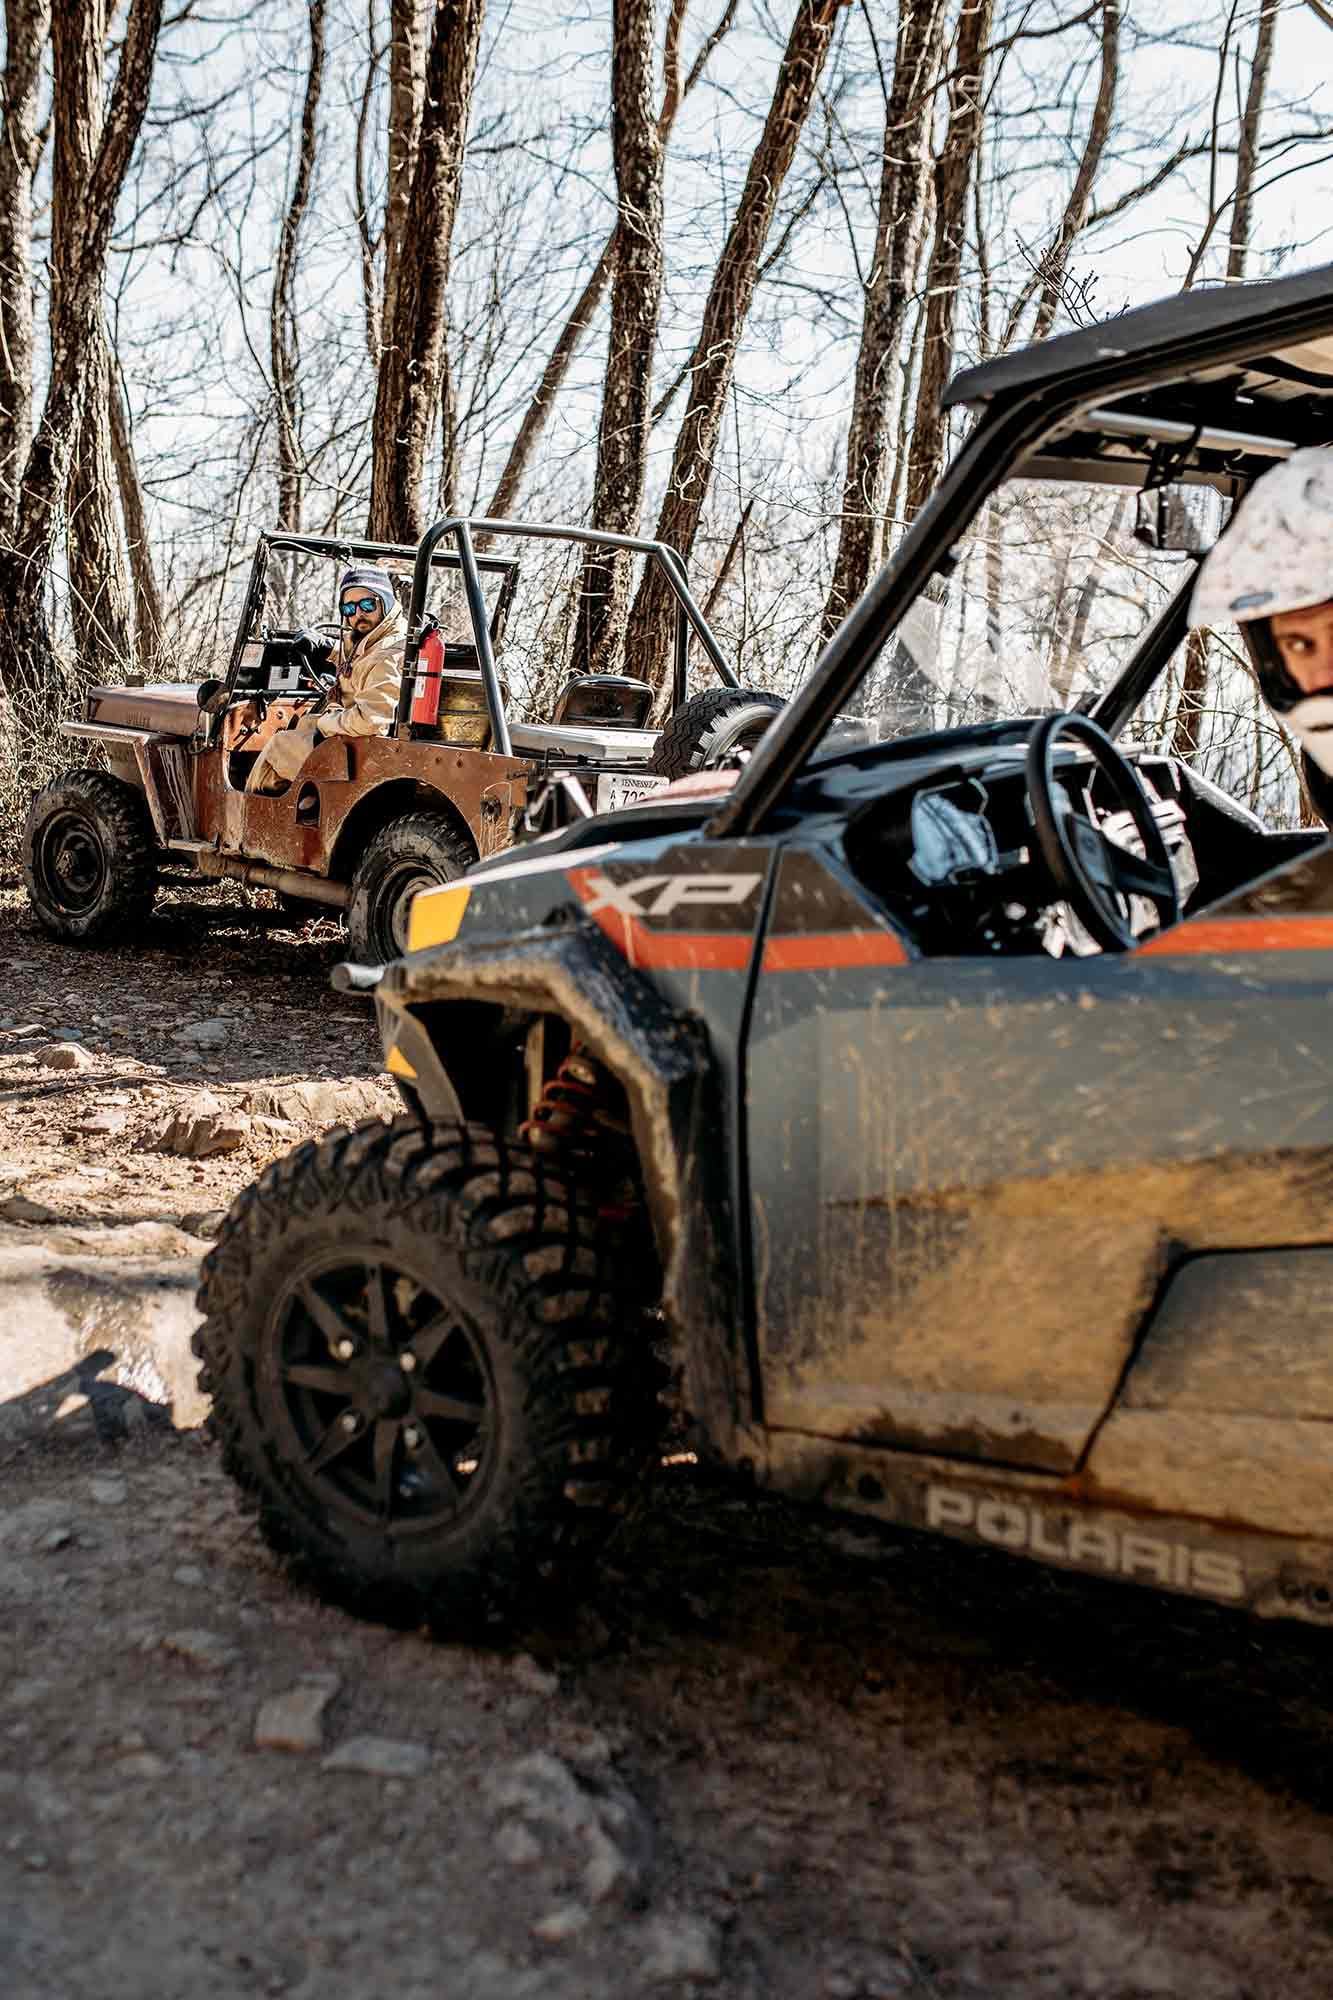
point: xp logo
(663, 895)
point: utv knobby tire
(514, 1260)
(711, 727)
(89, 856)
(420, 851)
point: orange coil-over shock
(580, 1114)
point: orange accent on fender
(823, 951)
(1226, 936)
(665, 951)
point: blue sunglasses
(351, 605)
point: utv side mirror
(207, 692)
(1180, 520)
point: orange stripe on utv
(824, 951)
(1221, 936)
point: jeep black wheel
(425, 1368)
(711, 729)
(89, 856)
(411, 854)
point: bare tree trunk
(83, 210)
(149, 623)
(902, 192)
(954, 166)
(1049, 271)
(636, 291)
(728, 563)
(407, 93)
(284, 336)
(724, 315)
(413, 354)
(557, 367)
(99, 588)
(1194, 681)
(26, 26)
(674, 93)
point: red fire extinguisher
(430, 678)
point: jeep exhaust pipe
(258, 875)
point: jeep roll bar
(348, 549)
(689, 615)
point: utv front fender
(662, 1062)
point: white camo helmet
(1277, 554)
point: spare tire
(712, 727)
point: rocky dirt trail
(768, 1755)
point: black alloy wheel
(381, 1389)
(429, 1366)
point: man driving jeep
(368, 663)
(1272, 572)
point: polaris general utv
(950, 1112)
(369, 819)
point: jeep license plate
(624, 788)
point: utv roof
(1247, 377)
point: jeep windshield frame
(339, 548)
(463, 528)
(1210, 387)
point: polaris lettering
(1019, 1526)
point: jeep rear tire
(712, 727)
(89, 856)
(430, 1376)
(419, 852)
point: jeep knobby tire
(420, 851)
(89, 856)
(429, 1368)
(711, 727)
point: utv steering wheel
(1092, 873)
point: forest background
(697, 268)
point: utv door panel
(968, 1177)
(1226, 1411)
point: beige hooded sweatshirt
(363, 702)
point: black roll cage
(689, 615)
(1010, 430)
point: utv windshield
(1048, 600)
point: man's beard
(1311, 723)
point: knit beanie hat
(367, 579)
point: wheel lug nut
(345, 1349)
(407, 1361)
(412, 1437)
(349, 1420)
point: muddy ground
(770, 1756)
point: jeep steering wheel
(1092, 873)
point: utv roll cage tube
(1042, 393)
(689, 615)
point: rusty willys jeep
(369, 820)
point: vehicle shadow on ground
(853, 1611)
(79, 1405)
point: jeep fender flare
(662, 1061)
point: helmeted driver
(1272, 572)
(368, 658)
